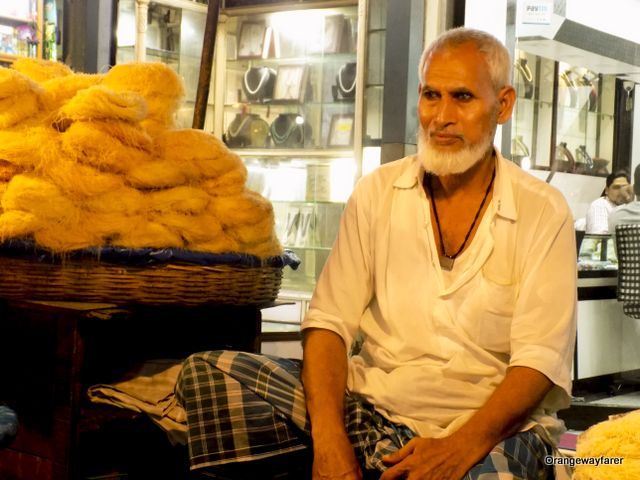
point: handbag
(247, 130)
(258, 83)
(290, 130)
(345, 84)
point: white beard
(449, 163)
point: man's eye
(463, 96)
(429, 94)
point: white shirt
(598, 215)
(437, 344)
(628, 213)
(625, 214)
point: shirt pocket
(496, 305)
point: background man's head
(617, 187)
(464, 94)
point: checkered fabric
(628, 251)
(243, 406)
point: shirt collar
(412, 176)
(503, 197)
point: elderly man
(457, 272)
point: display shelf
(563, 109)
(14, 21)
(21, 30)
(309, 178)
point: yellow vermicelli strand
(24, 106)
(93, 160)
(160, 174)
(150, 234)
(122, 201)
(247, 208)
(39, 197)
(148, 79)
(92, 143)
(267, 248)
(17, 224)
(14, 83)
(184, 199)
(110, 227)
(252, 233)
(229, 184)
(208, 153)
(101, 103)
(160, 86)
(223, 243)
(193, 229)
(9, 170)
(79, 180)
(41, 70)
(61, 237)
(63, 89)
(26, 148)
(619, 437)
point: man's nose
(446, 112)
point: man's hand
(335, 460)
(428, 459)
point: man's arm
(324, 376)
(501, 416)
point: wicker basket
(87, 278)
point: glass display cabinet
(289, 101)
(168, 31)
(563, 118)
(597, 256)
(28, 28)
(573, 118)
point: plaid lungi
(242, 406)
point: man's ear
(506, 101)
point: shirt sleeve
(544, 322)
(345, 286)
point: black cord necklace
(446, 261)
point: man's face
(459, 110)
(619, 191)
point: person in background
(628, 213)
(453, 270)
(617, 192)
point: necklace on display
(265, 75)
(290, 127)
(342, 87)
(447, 261)
(235, 132)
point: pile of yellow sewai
(93, 160)
(610, 450)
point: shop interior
(305, 93)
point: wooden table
(51, 352)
